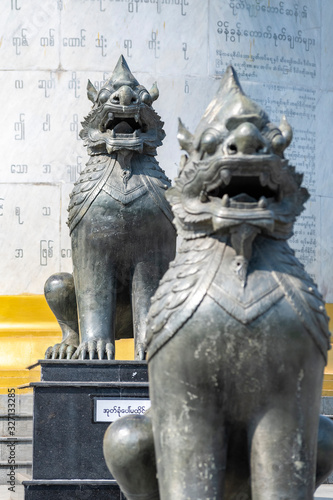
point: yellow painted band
(28, 327)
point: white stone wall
(282, 51)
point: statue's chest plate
(206, 267)
(125, 185)
(245, 303)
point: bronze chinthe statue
(120, 224)
(237, 331)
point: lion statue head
(122, 116)
(234, 178)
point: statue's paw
(60, 351)
(95, 349)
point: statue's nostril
(232, 149)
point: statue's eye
(208, 143)
(145, 97)
(103, 96)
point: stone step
(73, 489)
(327, 390)
(327, 393)
(22, 467)
(18, 423)
(23, 404)
(21, 425)
(12, 378)
(18, 449)
(6, 494)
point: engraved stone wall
(48, 50)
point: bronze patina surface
(237, 331)
(120, 224)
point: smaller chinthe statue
(237, 331)
(120, 224)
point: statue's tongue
(123, 128)
(244, 198)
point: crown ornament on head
(121, 76)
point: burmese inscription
(48, 51)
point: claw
(70, 351)
(76, 353)
(94, 349)
(48, 352)
(100, 349)
(55, 351)
(83, 352)
(141, 353)
(62, 351)
(110, 351)
(91, 349)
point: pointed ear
(185, 138)
(286, 130)
(154, 92)
(91, 92)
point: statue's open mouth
(131, 127)
(245, 183)
(245, 191)
(120, 125)
(125, 125)
(123, 129)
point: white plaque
(110, 409)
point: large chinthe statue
(237, 331)
(120, 224)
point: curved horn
(286, 130)
(154, 92)
(185, 138)
(91, 92)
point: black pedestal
(68, 460)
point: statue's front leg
(145, 281)
(155, 253)
(60, 295)
(130, 455)
(283, 438)
(95, 285)
(189, 425)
